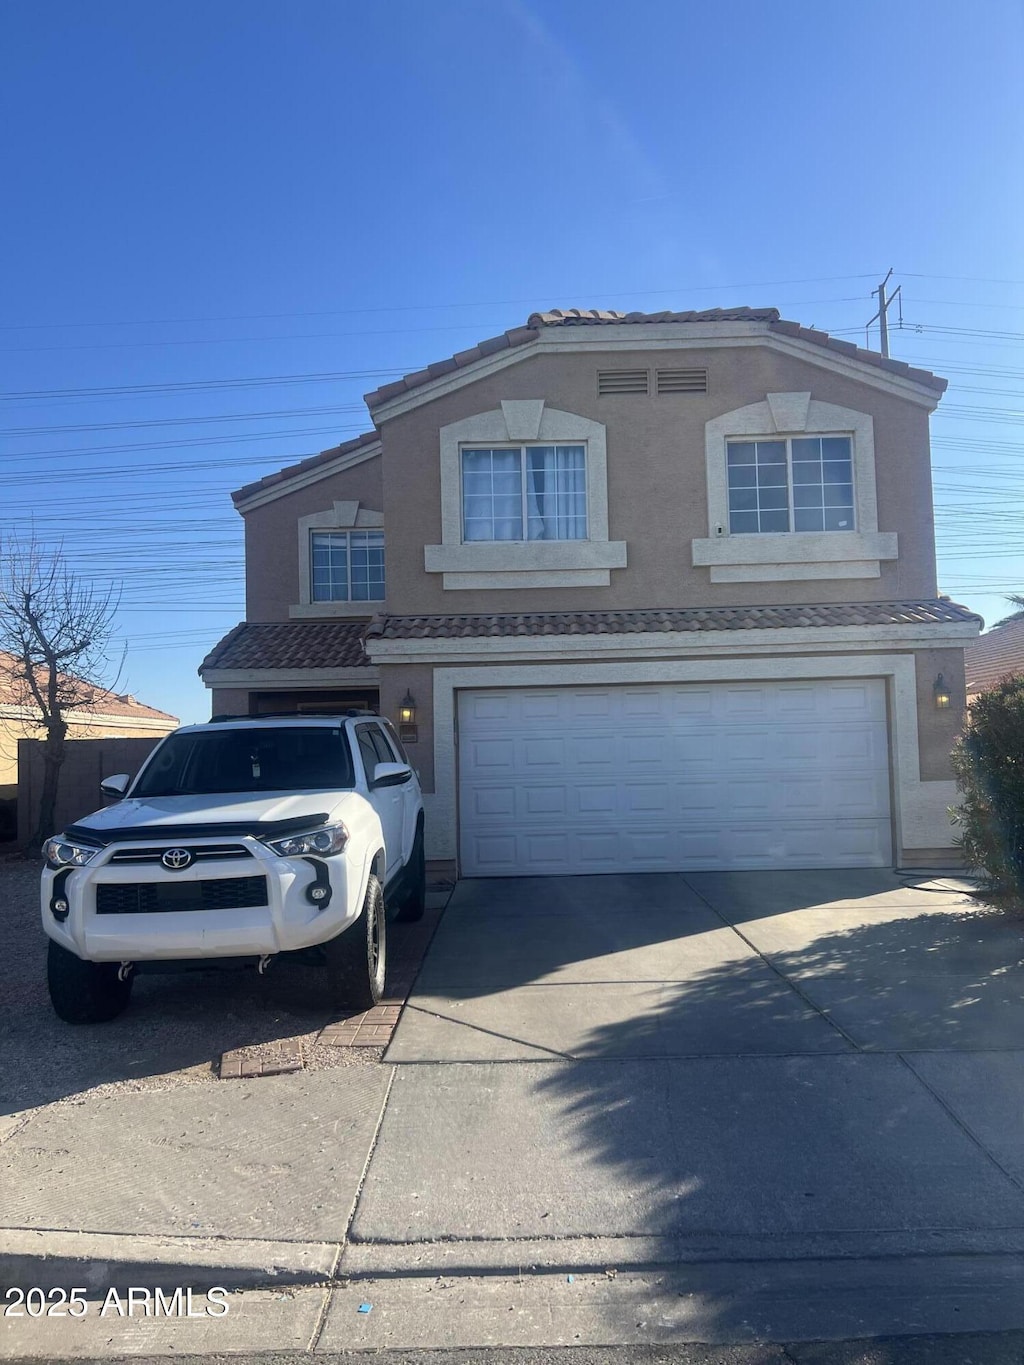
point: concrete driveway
(715, 964)
(814, 1069)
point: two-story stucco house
(660, 590)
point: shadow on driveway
(722, 1072)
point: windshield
(289, 758)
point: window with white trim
(790, 483)
(524, 492)
(346, 566)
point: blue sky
(208, 205)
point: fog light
(60, 907)
(317, 893)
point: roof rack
(294, 715)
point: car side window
(395, 742)
(382, 743)
(368, 750)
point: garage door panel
(489, 706)
(595, 705)
(594, 799)
(747, 798)
(644, 749)
(650, 798)
(495, 755)
(698, 701)
(540, 706)
(543, 753)
(495, 803)
(674, 776)
(545, 801)
(861, 796)
(647, 705)
(693, 750)
(598, 752)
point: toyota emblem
(176, 858)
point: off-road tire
(414, 902)
(357, 958)
(84, 992)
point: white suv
(241, 838)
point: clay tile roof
(675, 619)
(996, 655)
(324, 457)
(575, 317)
(290, 644)
(596, 317)
(102, 702)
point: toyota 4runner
(239, 839)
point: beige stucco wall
(271, 537)
(419, 680)
(12, 730)
(937, 730)
(657, 494)
(229, 701)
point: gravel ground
(173, 1032)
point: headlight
(324, 841)
(60, 852)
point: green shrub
(988, 760)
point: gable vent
(622, 381)
(682, 381)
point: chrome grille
(199, 853)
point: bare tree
(56, 631)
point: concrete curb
(97, 1261)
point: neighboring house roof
(596, 317)
(996, 655)
(291, 644)
(681, 619)
(99, 700)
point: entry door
(674, 777)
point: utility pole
(882, 315)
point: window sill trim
(528, 578)
(795, 548)
(317, 611)
(534, 556)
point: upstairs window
(531, 492)
(347, 566)
(797, 483)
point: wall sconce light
(408, 730)
(941, 693)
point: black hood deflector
(259, 829)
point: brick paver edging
(407, 947)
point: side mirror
(390, 775)
(116, 786)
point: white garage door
(674, 777)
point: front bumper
(125, 905)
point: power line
(432, 307)
(197, 385)
(199, 441)
(225, 341)
(965, 279)
(187, 421)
